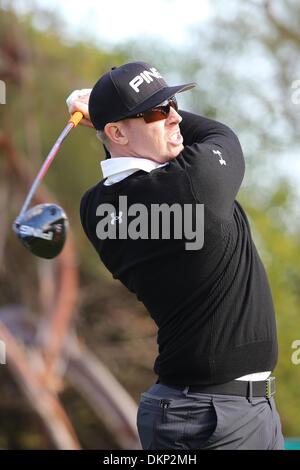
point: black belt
(263, 388)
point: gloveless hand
(78, 101)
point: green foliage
(281, 256)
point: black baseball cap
(128, 90)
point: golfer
(210, 300)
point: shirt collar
(115, 165)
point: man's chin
(175, 150)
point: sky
(118, 20)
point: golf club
(43, 228)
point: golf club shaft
(74, 120)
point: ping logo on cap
(145, 76)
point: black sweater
(213, 306)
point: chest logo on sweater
(221, 160)
(115, 218)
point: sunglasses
(158, 113)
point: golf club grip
(76, 118)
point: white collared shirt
(256, 377)
(117, 168)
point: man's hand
(78, 101)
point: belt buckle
(270, 387)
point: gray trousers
(173, 419)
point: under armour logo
(116, 217)
(222, 161)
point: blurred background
(79, 347)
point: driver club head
(42, 230)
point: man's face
(160, 141)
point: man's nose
(174, 117)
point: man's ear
(116, 133)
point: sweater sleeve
(86, 204)
(214, 161)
